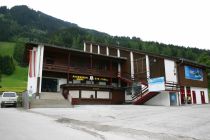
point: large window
(49, 85)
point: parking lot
(109, 122)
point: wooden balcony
(80, 71)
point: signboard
(193, 73)
(81, 78)
(156, 84)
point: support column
(85, 48)
(132, 65)
(68, 68)
(110, 72)
(91, 48)
(99, 49)
(119, 69)
(41, 65)
(91, 61)
(147, 67)
(185, 94)
(107, 50)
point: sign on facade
(193, 73)
(156, 84)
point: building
(101, 74)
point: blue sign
(156, 84)
(193, 73)
(156, 80)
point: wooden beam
(68, 67)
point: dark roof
(177, 59)
(73, 50)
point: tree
(18, 53)
(7, 65)
(0, 68)
(0, 78)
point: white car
(9, 99)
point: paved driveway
(124, 122)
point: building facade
(101, 74)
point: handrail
(141, 93)
(168, 84)
(173, 86)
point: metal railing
(169, 86)
(140, 93)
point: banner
(193, 73)
(156, 84)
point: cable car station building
(101, 74)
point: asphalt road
(106, 122)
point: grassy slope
(18, 80)
(6, 48)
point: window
(9, 95)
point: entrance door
(194, 97)
(173, 99)
(202, 97)
(189, 101)
(182, 91)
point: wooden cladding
(103, 50)
(157, 67)
(139, 67)
(81, 71)
(94, 49)
(112, 51)
(193, 83)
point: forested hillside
(22, 24)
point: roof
(30, 44)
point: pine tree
(7, 65)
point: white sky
(178, 22)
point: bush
(19, 53)
(7, 65)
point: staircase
(50, 100)
(142, 96)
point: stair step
(50, 103)
(141, 100)
(51, 95)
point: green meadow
(18, 80)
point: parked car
(9, 99)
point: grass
(7, 48)
(18, 80)
(15, 82)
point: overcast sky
(178, 22)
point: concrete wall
(160, 99)
(198, 94)
(35, 68)
(61, 82)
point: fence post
(25, 99)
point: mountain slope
(24, 24)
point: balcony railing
(81, 71)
